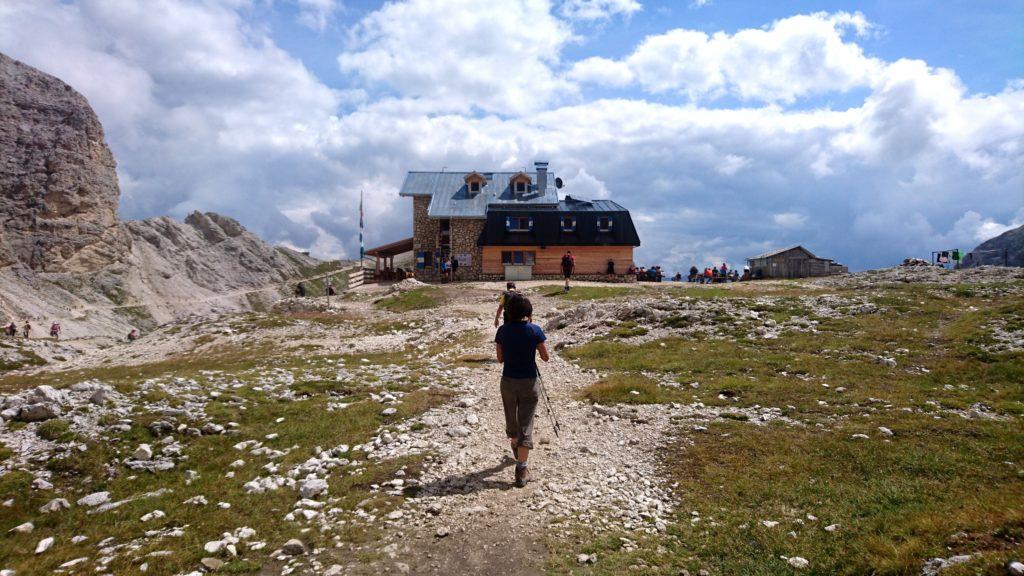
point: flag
(362, 248)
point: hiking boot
(522, 476)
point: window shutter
(508, 222)
(531, 223)
(611, 222)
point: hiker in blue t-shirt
(517, 342)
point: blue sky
(869, 131)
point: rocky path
(599, 474)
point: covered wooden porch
(385, 271)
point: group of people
(652, 274)
(449, 268)
(712, 275)
(11, 331)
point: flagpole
(362, 247)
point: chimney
(542, 176)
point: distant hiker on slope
(300, 290)
(133, 335)
(517, 343)
(26, 329)
(510, 290)
(11, 330)
(55, 331)
(568, 267)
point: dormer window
(568, 223)
(475, 182)
(604, 223)
(520, 183)
(519, 223)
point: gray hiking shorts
(519, 398)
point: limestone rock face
(64, 255)
(1007, 249)
(57, 176)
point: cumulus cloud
(591, 10)
(793, 57)
(205, 111)
(462, 54)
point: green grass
(581, 293)
(417, 299)
(55, 430)
(627, 329)
(942, 485)
(626, 388)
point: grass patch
(626, 388)
(417, 299)
(627, 329)
(55, 430)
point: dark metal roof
(392, 249)
(547, 225)
(450, 198)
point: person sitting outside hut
(455, 268)
(724, 270)
(610, 270)
(631, 271)
(693, 274)
(746, 274)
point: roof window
(604, 223)
(520, 183)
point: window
(520, 257)
(474, 186)
(446, 232)
(568, 223)
(519, 223)
(604, 224)
(521, 187)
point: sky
(867, 131)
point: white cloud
(458, 54)
(794, 57)
(789, 220)
(699, 3)
(599, 70)
(590, 10)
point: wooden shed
(792, 262)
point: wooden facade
(590, 260)
(794, 262)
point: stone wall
(425, 232)
(465, 234)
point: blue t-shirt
(519, 341)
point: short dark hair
(519, 307)
(510, 285)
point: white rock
(395, 515)
(798, 562)
(1015, 568)
(154, 515)
(388, 411)
(472, 419)
(294, 547)
(44, 545)
(885, 431)
(831, 527)
(23, 528)
(74, 562)
(196, 501)
(143, 452)
(860, 436)
(769, 523)
(459, 432)
(94, 499)
(214, 546)
(312, 487)
(79, 539)
(55, 505)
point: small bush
(55, 430)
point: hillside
(1007, 249)
(856, 425)
(66, 257)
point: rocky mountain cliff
(1007, 249)
(64, 254)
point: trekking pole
(548, 405)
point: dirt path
(469, 519)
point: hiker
(746, 274)
(510, 290)
(300, 290)
(517, 343)
(568, 266)
(11, 330)
(55, 331)
(455, 268)
(445, 270)
(331, 291)
(678, 277)
(26, 329)
(693, 274)
(133, 335)
(707, 275)
(611, 267)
